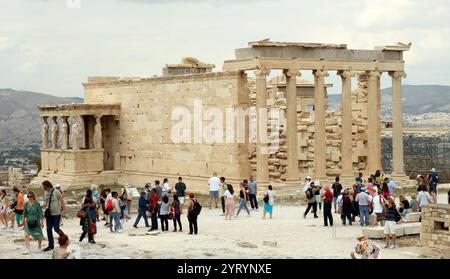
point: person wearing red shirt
(371, 188)
(153, 208)
(327, 200)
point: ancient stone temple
(123, 132)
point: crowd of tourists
(162, 203)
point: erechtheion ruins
(123, 130)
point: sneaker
(26, 252)
(135, 226)
(392, 246)
(48, 249)
(315, 216)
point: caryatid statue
(64, 133)
(45, 133)
(54, 131)
(75, 136)
(98, 132)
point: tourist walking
(176, 208)
(18, 205)
(52, 213)
(347, 208)
(311, 199)
(180, 188)
(243, 197)
(142, 210)
(89, 218)
(269, 201)
(423, 197)
(327, 204)
(166, 189)
(223, 189)
(214, 186)
(364, 200)
(229, 202)
(114, 213)
(319, 194)
(164, 214)
(252, 192)
(33, 222)
(158, 190)
(193, 211)
(4, 208)
(390, 218)
(377, 203)
(154, 209)
(414, 204)
(337, 188)
(433, 183)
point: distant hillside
(20, 124)
(418, 99)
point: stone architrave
(262, 157)
(54, 131)
(75, 136)
(319, 133)
(45, 133)
(98, 132)
(292, 175)
(373, 118)
(346, 108)
(64, 133)
(397, 123)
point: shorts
(214, 194)
(380, 216)
(389, 227)
(433, 187)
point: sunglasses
(30, 196)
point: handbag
(81, 214)
(47, 211)
(171, 213)
(92, 228)
(32, 224)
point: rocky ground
(288, 235)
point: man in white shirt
(423, 197)
(377, 202)
(214, 185)
(307, 183)
(364, 200)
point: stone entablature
(189, 65)
(435, 234)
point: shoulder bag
(47, 211)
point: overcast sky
(46, 46)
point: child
(347, 208)
(414, 204)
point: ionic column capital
(373, 74)
(345, 74)
(261, 73)
(320, 73)
(397, 74)
(291, 72)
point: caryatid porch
(291, 58)
(79, 138)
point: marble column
(98, 132)
(45, 133)
(319, 124)
(64, 133)
(262, 157)
(347, 138)
(374, 123)
(292, 175)
(54, 131)
(397, 124)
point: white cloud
(47, 47)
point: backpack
(309, 193)
(266, 198)
(197, 208)
(109, 205)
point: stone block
(413, 217)
(411, 228)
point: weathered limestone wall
(306, 129)
(18, 178)
(435, 235)
(145, 150)
(3, 178)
